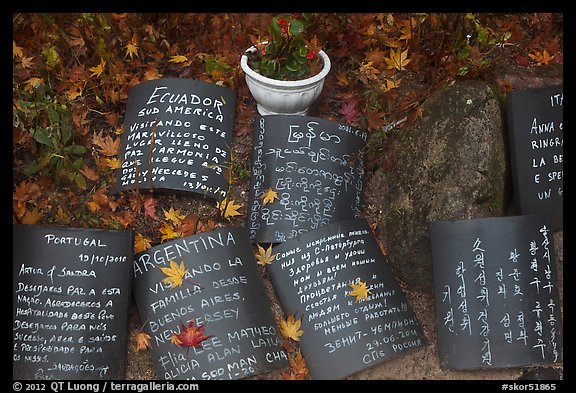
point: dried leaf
(174, 274)
(142, 341)
(191, 336)
(16, 50)
(359, 290)
(264, 256)
(150, 208)
(269, 196)
(108, 146)
(32, 217)
(397, 60)
(290, 328)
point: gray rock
(450, 166)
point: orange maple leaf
(191, 336)
(541, 58)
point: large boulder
(452, 165)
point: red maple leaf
(350, 111)
(191, 336)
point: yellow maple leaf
(264, 256)
(269, 196)
(131, 50)
(113, 163)
(180, 59)
(359, 290)
(228, 208)
(141, 243)
(142, 341)
(174, 274)
(290, 328)
(168, 232)
(99, 69)
(16, 50)
(174, 215)
(390, 84)
(397, 60)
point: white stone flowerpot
(277, 97)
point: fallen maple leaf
(142, 341)
(174, 215)
(350, 111)
(113, 163)
(541, 58)
(16, 50)
(269, 196)
(180, 59)
(228, 208)
(359, 290)
(174, 274)
(108, 146)
(397, 60)
(264, 256)
(188, 225)
(191, 336)
(375, 119)
(298, 367)
(168, 232)
(150, 208)
(27, 62)
(132, 47)
(99, 69)
(141, 243)
(290, 328)
(31, 217)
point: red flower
(310, 55)
(283, 24)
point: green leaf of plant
(75, 149)
(293, 66)
(80, 181)
(42, 135)
(275, 28)
(296, 27)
